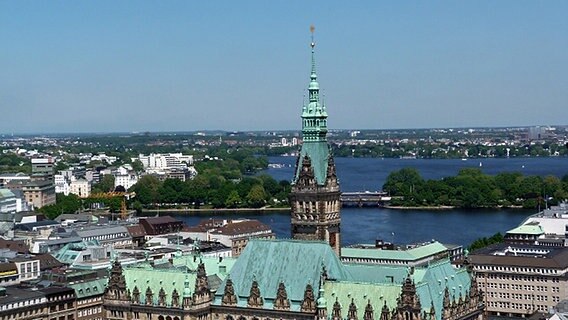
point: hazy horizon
(3, 134)
(176, 66)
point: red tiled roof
(47, 261)
(136, 230)
(14, 245)
(161, 220)
(242, 227)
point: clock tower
(315, 188)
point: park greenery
(211, 191)
(73, 204)
(224, 180)
(14, 163)
(227, 183)
(473, 189)
(485, 242)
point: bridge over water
(364, 199)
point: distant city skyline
(102, 66)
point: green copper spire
(314, 116)
(322, 303)
(314, 127)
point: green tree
(406, 183)
(105, 185)
(197, 190)
(270, 185)
(484, 242)
(60, 165)
(233, 200)
(508, 183)
(146, 189)
(64, 205)
(552, 186)
(256, 197)
(137, 165)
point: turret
(321, 303)
(187, 301)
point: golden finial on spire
(312, 29)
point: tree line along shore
(212, 191)
(471, 189)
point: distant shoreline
(441, 208)
(420, 208)
(190, 211)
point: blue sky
(107, 66)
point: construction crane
(115, 194)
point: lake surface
(359, 174)
(365, 225)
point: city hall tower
(315, 190)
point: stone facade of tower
(315, 190)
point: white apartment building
(165, 161)
(125, 180)
(61, 184)
(28, 269)
(103, 158)
(80, 187)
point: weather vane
(312, 29)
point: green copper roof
(6, 193)
(295, 263)
(405, 255)
(531, 229)
(155, 279)
(432, 280)
(319, 155)
(69, 252)
(377, 274)
(173, 275)
(360, 293)
(427, 250)
(89, 288)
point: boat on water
(277, 165)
